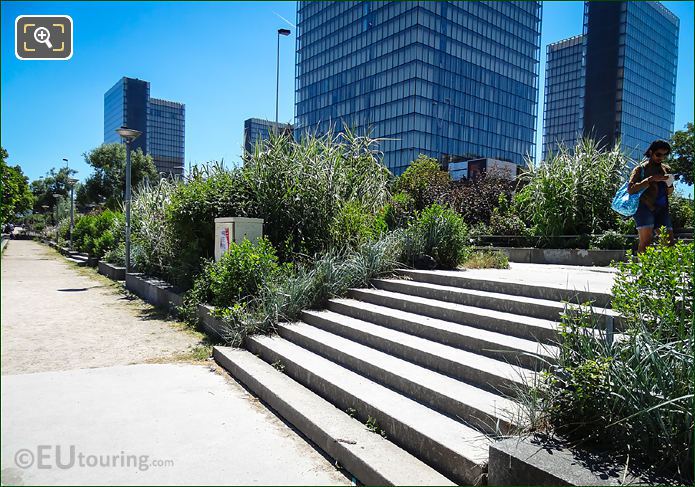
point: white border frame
(72, 37)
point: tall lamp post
(72, 182)
(128, 136)
(281, 32)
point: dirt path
(56, 316)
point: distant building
(257, 129)
(627, 81)
(166, 128)
(449, 80)
(563, 91)
(162, 123)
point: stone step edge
(370, 458)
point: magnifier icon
(43, 36)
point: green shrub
(209, 193)
(657, 288)
(116, 255)
(625, 226)
(476, 199)
(608, 240)
(440, 233)
(63, 231)
(570, 193)
(354, 225)
(681, 211)
(399, 211)
(487, 259)
(97, 233)
(424, 181)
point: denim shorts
(646, 218)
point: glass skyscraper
(563, 75)
(166, 128)
(628, 81)
(257, 129)
(452, 80)
(162, 123)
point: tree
(16, 197)
(683, 146)
(106, 184)
(54, 182)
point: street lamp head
(72, 181)
(128, 134)
(284, 32)
(65, 159)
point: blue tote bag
(625, 203)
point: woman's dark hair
(656, 145)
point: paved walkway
(100, 389)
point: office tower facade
(125, 105)
(162, 123)
(166, 129)
(563, 82)
(628, 81)
(256, 129)
(452, 80)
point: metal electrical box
(235, 229)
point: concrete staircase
(431, 361)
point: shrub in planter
(424, 181)
(608, 240)
(476, 199)
(440, 233)
(97, 233)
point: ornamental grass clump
(299, 187)
(438, 232)
(570, 193)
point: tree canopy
(54, 182)
(16, 197)
(681, 160)
(106, 185)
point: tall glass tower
(452, 80)
(256, 129)
(162, 123)
(563, 90)
(628, 79)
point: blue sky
(216, 57)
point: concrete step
(484, 372)
(545, 331)
(527, 353)
(465, 280)
(454, 449)
(79, 262)
(372, 459)
(520, 305)
(480, 409)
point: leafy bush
(300, 186)
(97, 233)
(657, 288)
(608, 240)
(424, 181)
(487, 259)
(570, 193)
(475, 199)
(63, 231)
(210, 192)
(399, 211)
(354, 225)
(681, 210)
(440, 233)
(116, 255)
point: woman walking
(653, 175)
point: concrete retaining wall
(212, 326)
(579, 257)
(154, 291)
(111, 271)
(546, 461)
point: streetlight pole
(72, 182)
(281, 32)
(128, 135)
